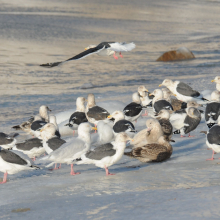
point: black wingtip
(50, 65)
(17, 127)
(205, 99)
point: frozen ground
(35, 32)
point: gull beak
(146, 90)
(86, 100)
(160, 85)
(151, 94)
(174, 94)
(86, 48)
(41, 130)
(94, 128)
(110, 116)
(212, 80)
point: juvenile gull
(37, 125)
(133, 110)
(121, 124)
(106, 155)
(182, 91)
(78, 116)
(159, 102)
(212, 110)
(71, 151)
(7, 141)
(43, 116)
(186, 120)
(149, 134)
(12, 162)
(103, 49)
(51, 141)
(93, 112)
(156, 152)
(163, 118)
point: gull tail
(129, 46)
(50, 164)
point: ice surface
(36, 32)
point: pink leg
(73, 133)
(72, 171)
(115, 56)
(34, 158)
(120, 55)
(95, 130)
(107, 172)
(55, 167)
(190, 135)
(212, 156)
(5, 178)
(145, 113)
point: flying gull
(103, 49)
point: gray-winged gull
(185, 120)
(51, 141)
(69, 152)
(7, 141)
(106, 155)
(12, 162)
(182, 91)
(93, 112)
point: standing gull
(159, 102)
(146, 99)
(7, 141)
(78, 116)
(163, 118)
(51, 141)
(103, 49)
(73, 150)
(121, 124)
(212, 111)
(32, 147)
(185, 121)
(217, 81)
(93, 112)
(133, 110)
(106, 155)
(182, 91)
(12, 162)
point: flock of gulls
(173, 110)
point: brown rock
(180, 54)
